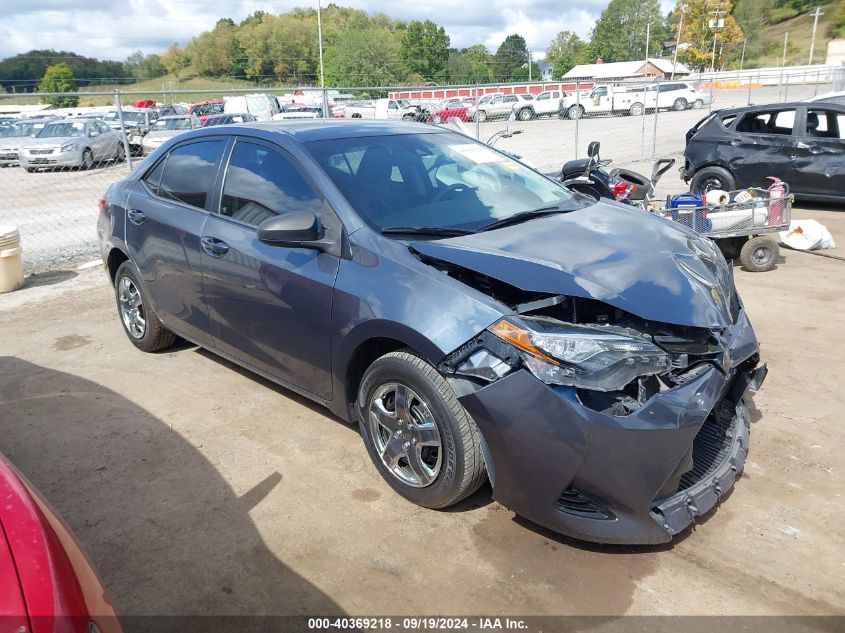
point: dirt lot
(197, 488)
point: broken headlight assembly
(579, 356)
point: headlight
(70, 147)
(581, 356)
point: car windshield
(436, 180)
(62, 129)
(24, 128)
(183, 123)
(128, 117)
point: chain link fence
(55, 170)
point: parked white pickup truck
(548, 103)
(609, 100)
(381, 109)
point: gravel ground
(198, 488)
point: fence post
(642, 127)
(122, 128)
(816, 88)
(578, 118)
(477, 124)
(656, 110)
(750, 81)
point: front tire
(419, 437)
(710, 178)
(697, 104)
(680, 104)
(526, 114)
(636, 109)
(482, 116)
(87, 159)
(120, 153)
(437, 118)
(137, 316)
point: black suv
(800, 143)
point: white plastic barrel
(11, 266)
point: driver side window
(261, 183)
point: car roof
(304, 130)
(782, 106)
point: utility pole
(322, 69)
(813, 40)
(715, 24)
(647, 39)
(742, 59)
(529, 66)
(678, 40)
(785, 39)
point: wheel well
(116, 258)
(364, 356)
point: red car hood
(44, 574)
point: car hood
(163, 135)
(628, 258)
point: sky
(106, 29)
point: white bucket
(11, 265)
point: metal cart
(740, 226)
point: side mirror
(300, 229)
(593, 149)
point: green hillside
(769, 39)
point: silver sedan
(67, 143)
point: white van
(261, 106)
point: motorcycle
(587, 176)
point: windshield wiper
(524, 216)
(439, 231)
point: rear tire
(636, 109)
(147, 334)
(697, 104)
(437, 118)
(120, 153)
(759, 254)
(431, 447)
(709, 178)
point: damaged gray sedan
(476, 319)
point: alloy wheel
(131, 308)
(405, 434)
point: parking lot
(198, 488)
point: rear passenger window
(261, 183)
(777, 122)
(825, 124)
(190, 172)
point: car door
(166, 210)
(270, 306)
(820, 153)
(110, 137)
(762, 146)
(95, 141)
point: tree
(752, 16)
(365, 58)
(620, 32)
(59, 78)
(173, 60)
(425, 49)
(24, 71)
(565, 51)
(521, 73)
(143, 67)
(511, 54)
(837, 27)
(697, 38)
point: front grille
(40, 151)
(573, 501)
(710, 446)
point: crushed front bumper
(603, 478)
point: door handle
(214, 247)
(136, 216)
(735, 142)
